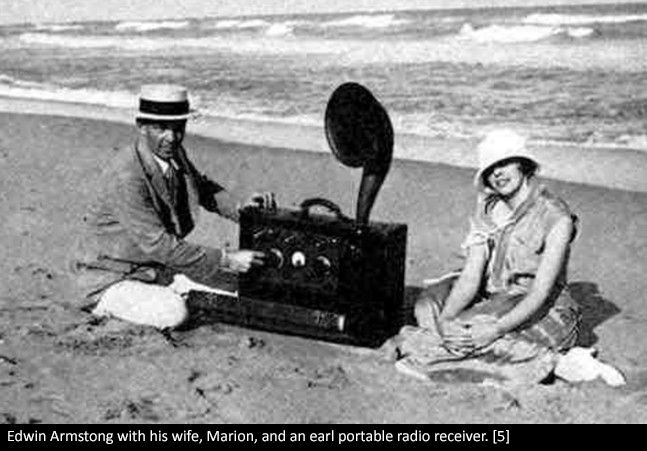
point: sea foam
(581, 19)
(15, 88)
(150, 26)
(366, 21)
(521, 33)
(57, 27)
(240, 24)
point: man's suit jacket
(134, 228)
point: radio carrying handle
(321, 202)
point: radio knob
(298, 259)
(268, 234)
(275, 258)
(290, 239)
(322, 265)
(355, 252)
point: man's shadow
(594, 308)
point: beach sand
(59, 365)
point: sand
(59, 365)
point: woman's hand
(456, 338)
(482, 331)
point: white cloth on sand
(150, 304)
(579, 364)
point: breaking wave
(215, 43)
(57, 27)
(279, 29)
(150, 26)
(240, 24)
(581, 19)
(12, 87)
(521, 33)
(366, 21)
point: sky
(48, 11)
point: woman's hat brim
(478, 178)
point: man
(147, 203)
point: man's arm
(200, 263)
(215, 198)
(135, 211)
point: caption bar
(332, 436)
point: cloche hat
(499, 145)
(163, 102)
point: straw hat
(499, 145)
(163, 102)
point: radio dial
(322, 265)
(355, 252)
(275, 258)
(298, 259)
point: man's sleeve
(135, 211)
(215, 198)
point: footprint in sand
(332, 377)
(8, 418)
(213, 385)
(128, 409)
(251, 342)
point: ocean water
(559, 74)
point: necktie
(171, 177)
(179, 197)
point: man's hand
(243, 260)
(263, 201)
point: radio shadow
(411, 295)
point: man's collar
(163, 164)
(142, 146)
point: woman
(510, 304)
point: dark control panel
(344, 279)
(297, 259)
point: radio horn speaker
(360, 134)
